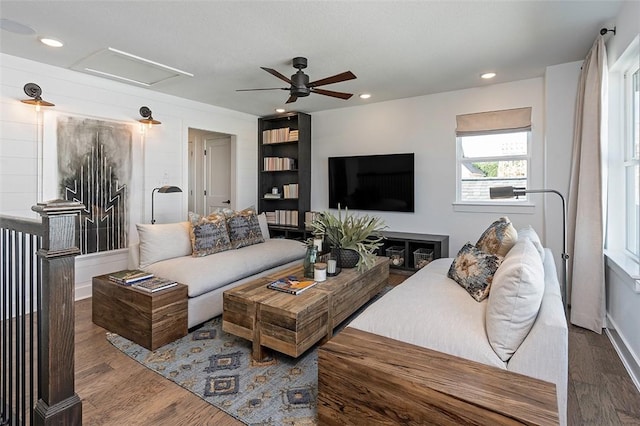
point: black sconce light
(34, 91)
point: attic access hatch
(125, 67)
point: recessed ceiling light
(51, 42)
(365, 95)
(280, 110)
(488, 75)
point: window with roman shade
(493, 149)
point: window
(632, 159)
(493, 149)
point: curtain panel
(587, 196)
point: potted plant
(356, 238)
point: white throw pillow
(163, 241)
(515, 298)
(532, 235)
(264, 227)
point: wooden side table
(148, 319)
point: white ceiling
(397, 49)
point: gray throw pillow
(244, 228)
(208, 234)
(473, 270)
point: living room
(424, 124)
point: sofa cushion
(203, 274)
(515, 299)
(498, 238)
(244, 228)
(163, 241)
(473, 269)
(208, 234)
(430, 310)
(530, 234)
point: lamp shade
(501, 192)
(168, 188)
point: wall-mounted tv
(372, 182)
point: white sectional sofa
(166, 251)
(431, 310)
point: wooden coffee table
(291, 324)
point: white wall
(425, 125)
(622, 274)
(561, 88)
(162, 154)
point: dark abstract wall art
(94, 168)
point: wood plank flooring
(116, 390)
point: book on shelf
(292, 284)
(154, 284)
(282, 217)
(283, 134)
(272, 196)
(130, 276)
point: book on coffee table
(291, 284)
(129, 276)
(154, 284)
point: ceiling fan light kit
(300, 86)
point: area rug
(217, 367)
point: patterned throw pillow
(473, 269)
(208, 234)
(498, 238)
(244, 228)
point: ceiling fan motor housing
(299, 82)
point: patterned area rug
(217, 367)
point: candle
(320, 272)
(331, 266)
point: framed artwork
(93, 163)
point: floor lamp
(162, 190)
(510, 192)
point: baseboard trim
(629, 360)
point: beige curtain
(587, 195)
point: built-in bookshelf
(284, 162)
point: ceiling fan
(300, 85)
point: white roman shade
(508, 120)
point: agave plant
(349, 232)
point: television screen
(372, 182)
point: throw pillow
(264, 226)
(473, 269)
(530, 234)
(208, 234)
(498, 238)
(163, 241)
(516, 296)
(244, 228)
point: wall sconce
(163, 190)
(34, 91)
(145, 112)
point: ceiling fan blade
(291, 99)
(277, 74)
(340, 95)
(347, 75)
(270, 88)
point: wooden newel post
(58, 403)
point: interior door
(218, 173)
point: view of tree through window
(497, 159)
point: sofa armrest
(362, 375)
(545, 351)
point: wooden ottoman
(148, 319)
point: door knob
(226, 202)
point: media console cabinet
(410, 242)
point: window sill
(625, 265)
(494, 207)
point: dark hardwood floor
(116, 390)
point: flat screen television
(372, 182)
